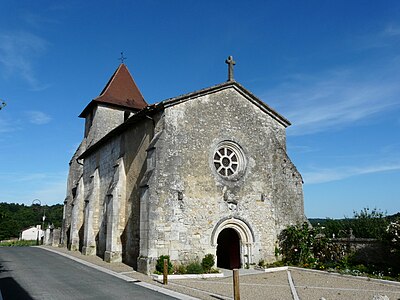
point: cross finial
(122, 58)
(230, 63)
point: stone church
(205, 172)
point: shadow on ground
(10, 289)
(2, 267)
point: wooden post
(165, 273)
(236, 291)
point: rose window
(228, 159)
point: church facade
(205, 172)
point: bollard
(236, 291)
(165, 273)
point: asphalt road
(33, 273)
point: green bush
(208, 262)
(194, 268)
(295, 244)
(179, 269)
(261, 263)
(214, 270)
(393, 236)
(160, 264)
(275, 264)
(18, 244)
(304, 246)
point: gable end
(230, 84)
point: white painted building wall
(32, 233)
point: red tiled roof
(121, 90)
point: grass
(18, 244)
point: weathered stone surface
(265, 198)
(101, 121)
(171, 178)
(52, 237)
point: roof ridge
(109, 81)
(236, 85)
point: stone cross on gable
(230, 63)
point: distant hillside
(315, 221)
(16, 217)
(395, 216)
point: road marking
(242, 283)
(346, 289)
(292, 288)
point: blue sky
(331, 67)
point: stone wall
(367, 251)
(101, 121)
(73, 205)
(98, 174)
(154, 188)
(111, 177)
(136, 142)
(52, 237)
(187, 199)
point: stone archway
(238, 251)
(228, 249)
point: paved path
(307, 284)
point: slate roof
(120, 91)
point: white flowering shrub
(393, 231)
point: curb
(188, 276)
(277, 269)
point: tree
(16, 217)
(369, 223)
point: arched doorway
(228, 249)
(233, 235)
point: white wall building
(31, 233)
